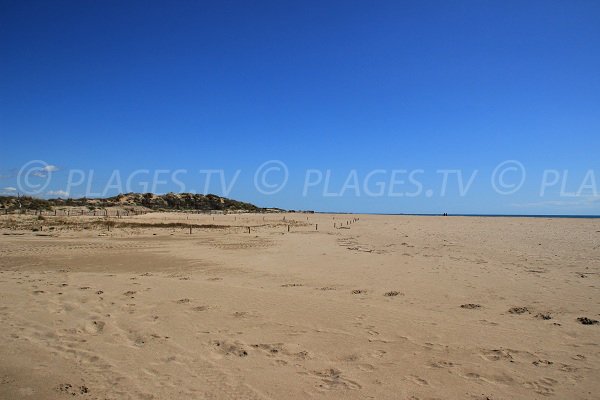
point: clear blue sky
(345, 85)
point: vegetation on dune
(169, 201)
(24, 202)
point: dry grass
(35, 223)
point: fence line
(75, 213)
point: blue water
(486, 215)
(526, 215)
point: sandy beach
(385, 307)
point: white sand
(157, 313)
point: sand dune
(387, 307)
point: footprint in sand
(472, 375)
(442, 364)
(269, 349)
(378, 354)
(332, 379)
(543, 386)
(366, 367)
(418, 380)
(393, 293)
(67, 388)
(587, 321)
(229, 349)
(518, 310)
(136, 339)
(302, 355)
(496, 355)
(568, 368)
(542, 363)
(94, 327)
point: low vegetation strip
(148, 201)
